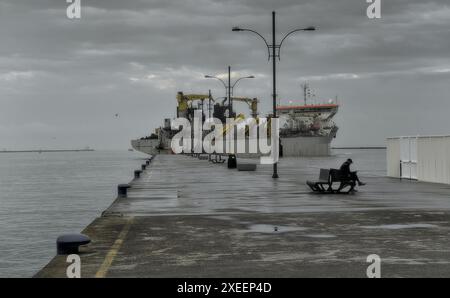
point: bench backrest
(335, 175)
(324, 174)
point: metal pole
(209, 104)
(203, 110)
(304, 92)
(275, 168)
(230, 103)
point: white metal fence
(425, 158)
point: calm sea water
(45, 195)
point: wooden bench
(323, 184)
(328, 177)
(344, 182)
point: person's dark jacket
(345, 169)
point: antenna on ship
(306, 92)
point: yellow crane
(252, 104)
(185, 101)
(239, 118)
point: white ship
(306, 130)
(157, 143)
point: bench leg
(345, 184)
(331, 189)
(322, 188)
(312, 187)
(316, 187)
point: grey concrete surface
(190, 218)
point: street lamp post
(274, 46)
(229, 88)
(230, 101)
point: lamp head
(311, 28)
(236, 29)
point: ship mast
(306, 92)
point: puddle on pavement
(262, 228)
(222, 217)
(401, 226)
(153, 238)
(321, 236)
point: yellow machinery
(252, 104)
(185, 101)
(237, 120)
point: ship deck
(187, 217)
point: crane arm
(184, 100)
(252, 103)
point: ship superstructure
(159, 142)
(306, 130)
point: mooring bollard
(232, 162)
(137, 174)
(122, 190)
(68, 244)
(143, 167)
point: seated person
(345, 171)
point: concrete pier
(186, 217)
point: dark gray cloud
(62, 81)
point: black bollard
(122, 190)
(143, 167)
(147, 162)
(68, 244)
(137, 174)
(232, 163)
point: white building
(425, 158)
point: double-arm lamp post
(229, 88)
(274, 51)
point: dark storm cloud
(61, 80)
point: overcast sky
(62, 81)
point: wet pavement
(190, 218)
